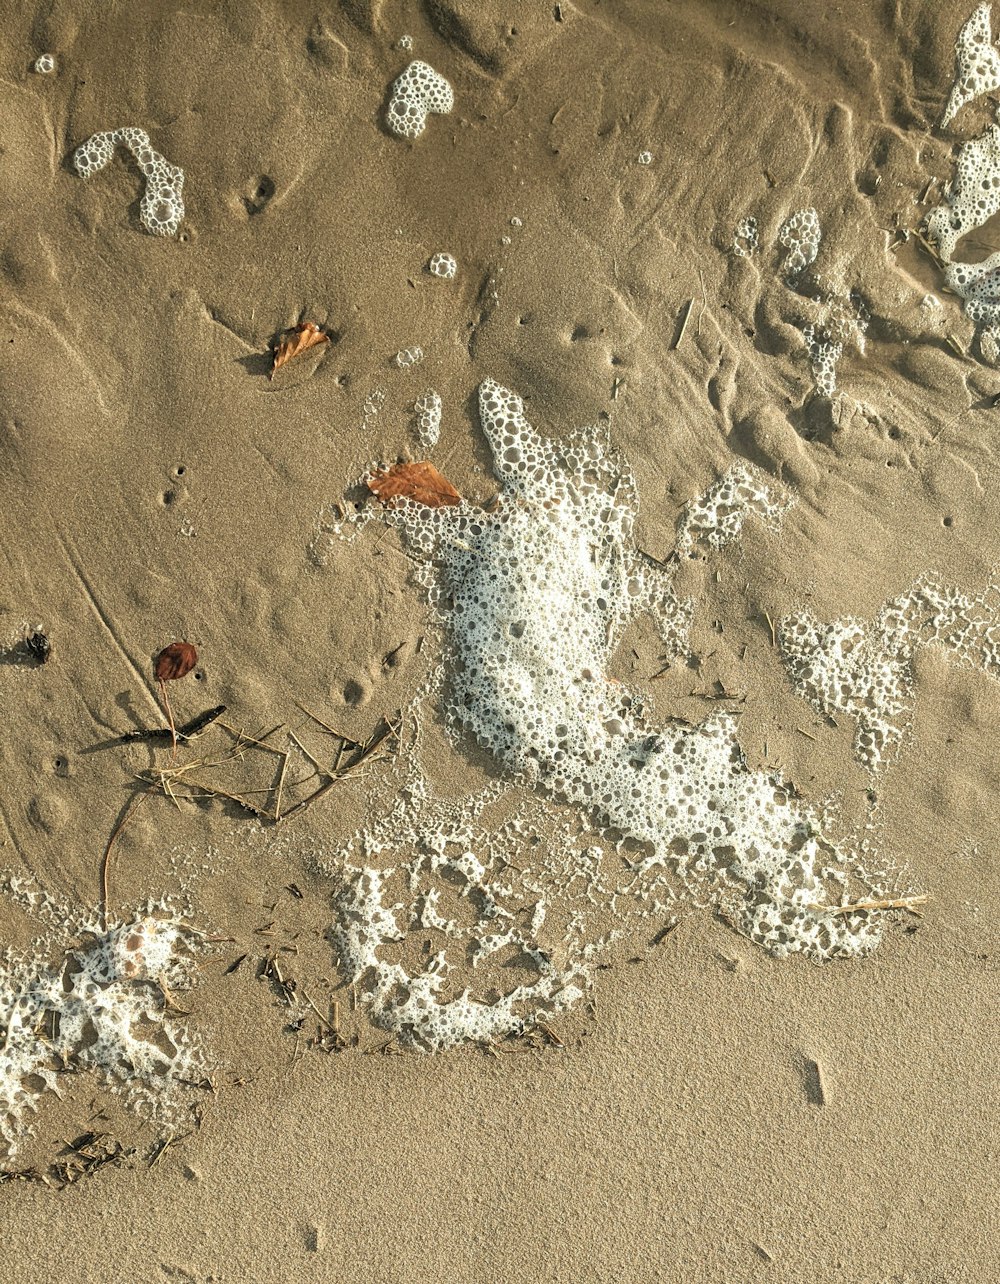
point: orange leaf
(174, 661)
(420, 482)
(296, 341)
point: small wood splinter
(909, 903)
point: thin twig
(326, 726)
(305, 752)
(170, 719)
(684, 324)
(281, 782)
(259, 741)
(126, 816)
(903, 902)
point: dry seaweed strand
(86, 1158)
(186, 732)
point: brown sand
(722, 1116)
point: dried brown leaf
(175, 661)
(420, 482)
(296, 341)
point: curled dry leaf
(419, 482)
(296, 341)
(175, 661)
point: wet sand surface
(713, 1114)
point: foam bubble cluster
(974, 197)
(428, 412)
(838, 326)
(716, 518)
(45, 64)
(977, 63)
(483, 975)
(477, 918)
(418, 92)
(837, 320)
(442, 265)
(101, 1007)
(865, 671)
(974, 194)
(746, 237)
(800, 235)
(535, 597)
(407, 357)
(162, 207)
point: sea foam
(162, 207)
(534, 598)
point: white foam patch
(445, 946)
(865, 671)
(476, 918)
(746, 238)
(442, 265)
(534, 598)
(98, 1005)
(45, 64)
(417, 93)
(977, 63)
(973, 196)
(837, 321)
(839, 326)
(162, 207)
(407, 357)
(800, 235)
(716, 518)
(428, 411)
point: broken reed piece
(186, 732)
(909, 903)
(306, 335)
